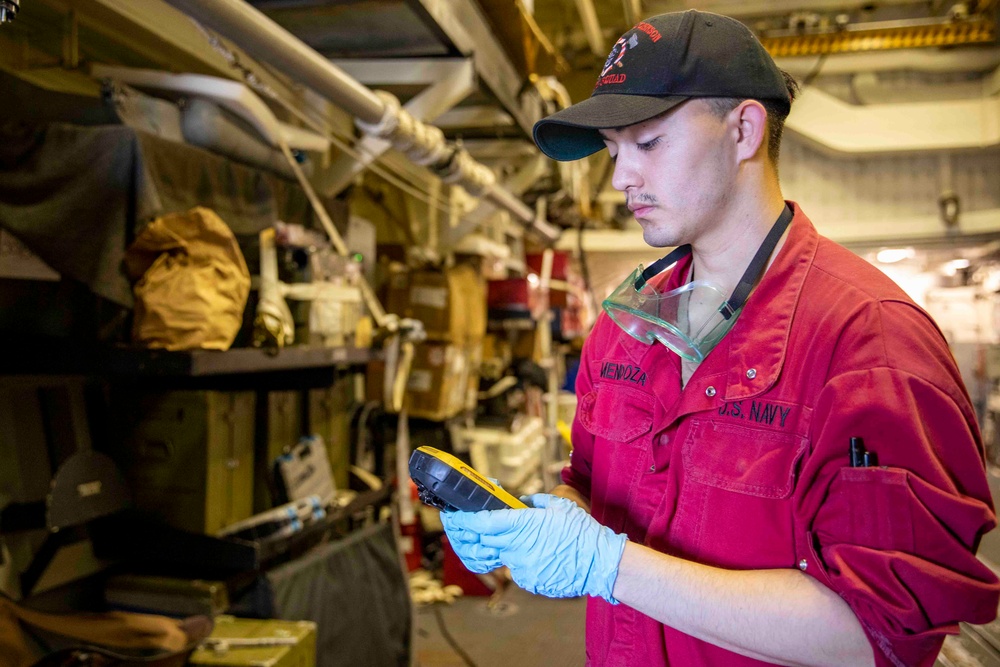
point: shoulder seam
(853, 285)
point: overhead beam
(977, 59)
(883, 36)
(462, 23)
(475, 116)
(376, 72)
(837, 126)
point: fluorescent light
(892, 255)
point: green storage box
(188, 455)
(301, 654)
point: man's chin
(658, 238)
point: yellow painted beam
(945, 34)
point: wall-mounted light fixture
(892, 255)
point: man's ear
(750, 125)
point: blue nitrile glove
(554, 548)
(466, 545)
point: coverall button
(752, 373)
(652, 468)
(803, 564)
(664, 439)
(710, 392)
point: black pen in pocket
(859, 456)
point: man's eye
(648, 145)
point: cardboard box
(560, 263)
(300, 654)
(439, 381)
(443, 382)
(451, 302)
(514, 294)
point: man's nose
(625, 175)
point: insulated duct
(204, 124)
(377, 113)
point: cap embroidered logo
(615, 57)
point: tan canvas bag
(191, 282)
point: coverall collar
(749, 360)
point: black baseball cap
(659, 63)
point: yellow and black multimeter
(448, 483)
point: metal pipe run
(376, 113)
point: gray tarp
(77, 195)
(356, 592)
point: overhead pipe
(375, 112)
(591, 27)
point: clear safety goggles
(650, 316)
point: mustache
(641, 197)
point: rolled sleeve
(897, 542)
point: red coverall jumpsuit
(747, 466)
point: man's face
(677, 172)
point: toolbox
(233, 640)
(167, 596)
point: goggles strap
(756, 268)
(750, 276)
(662, 264)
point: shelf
(510, 321)
(200, 363)
(56, 358)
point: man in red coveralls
(775, 460)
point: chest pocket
(735, 501)
(616, 413)
(621, 419)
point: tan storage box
(451, 302)
(300, 654)
(439, 380)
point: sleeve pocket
(751, 461)
(864, 508)
(616, 413)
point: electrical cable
(814, 72)
(451, 640)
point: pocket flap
(616, 413)
(752, 461)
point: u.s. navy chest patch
(760, 412)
